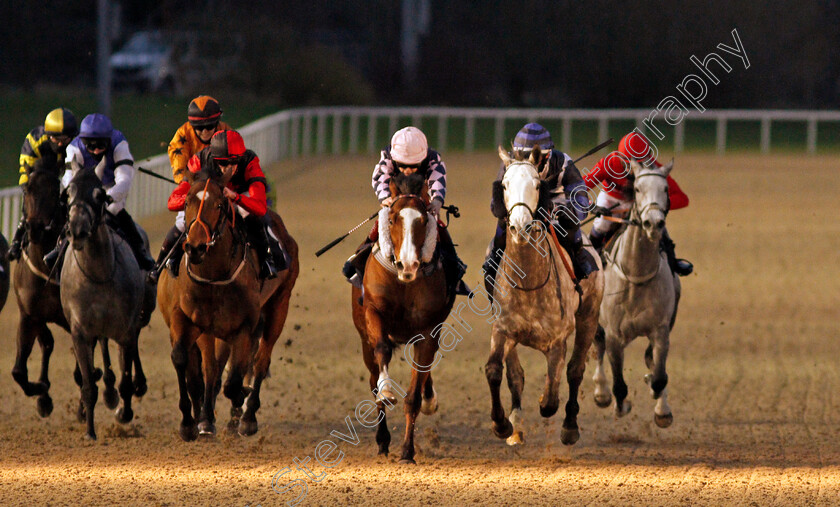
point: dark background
(473, 53)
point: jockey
(617, 194)
(203, 120)
(561, 173)
(98, 139)
(48, 140)
(409, 153)
(227, 157)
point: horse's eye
(390, 221)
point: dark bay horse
(538, 304)
(219, 297)
(4, 271)
(104, 294)
(405, 298)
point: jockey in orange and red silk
(613, 171)
(409, 154)
(203, 120)
(227, 157)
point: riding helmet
(227, 144)
(531, 134)
(634, 146)
(204, 111)
(409, 146)
(96, 126)
(61, 122)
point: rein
(35, 271)
(206, 281)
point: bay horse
(219, 295)
(104, 294)
(538, 305)
(402, 300)
(4, 271)
(642, 296)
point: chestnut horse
(405, 298)
(219, 294)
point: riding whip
(156, 175)
(341, 238)
(593, 150)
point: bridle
(214, 234)
(515, 205)
(637, 213)
(95, 220)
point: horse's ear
(100, 167)
(666, 169)
(536, 155)
(101, 196)
(635, 167)
(504, 155)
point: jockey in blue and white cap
(565, 179)
(98, 139)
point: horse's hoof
(140, 389)
(124, 415)
(90, 436)
(518, 438)
(549, 410)
(206, 429)
(603, 400)
(45, 405)
(387, 396)
(503, 429)
(663, 421)
(383, 452)
(648, 378)
(429, 406)
(188, 433)
(407, 461)
(623, 409)
(111, 397)
(247, 428)
(569, 436)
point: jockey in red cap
(617, 195)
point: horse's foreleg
(206, 423)
(516, 384)
(378, 333)
(139, 378)
(584, 331)
(493, 371)
(550, 399)
(84, 357)
(602, 395)
(424, 354)
(240, 362)
(615, 352)
(110, 395)
(195, 381)
(658, 377)
(47, 342)
(128, 352)
(27, 333)
(383, 436)
(183, 336)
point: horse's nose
(660, 224)
(512, 229)
(414, 265)
(398, 264)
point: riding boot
(51, 257)
(354, 267)
(134, 240)
(583, 262)
(16, 248)
(681, 267)
(174, 262)
(493, 257)
(276, 251)
(168, 243)
(452, 264)
(260, 241)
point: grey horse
(103, 291)
(641, 296)
(537, 306)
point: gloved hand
(435, 205)
(600, 211)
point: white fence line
(339, 130)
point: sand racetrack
(754, 377)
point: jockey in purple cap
(570, 197)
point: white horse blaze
(521, 188)
(408, 252)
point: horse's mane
(47, 163)
(409, 183)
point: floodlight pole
(103, 54)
